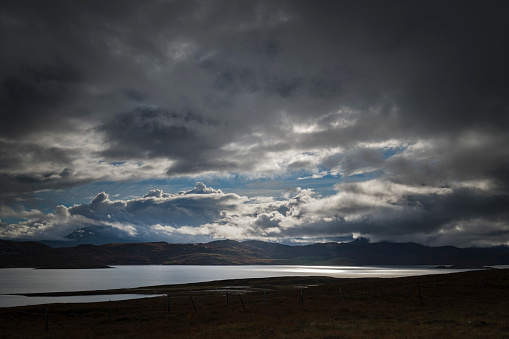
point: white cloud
(258, 91)
(378, 209)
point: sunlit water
(27, 280)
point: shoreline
(208, 281)
(470, 304)
(249, 284)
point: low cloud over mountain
(378, 209)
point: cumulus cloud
(52, 226)
(133, 217)
(378, 209)
(412, 94)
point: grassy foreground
(470, 304)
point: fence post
(192, 302)
(242, 302)
(109, 310)
(340, 295)
(168, 304)
(226, 299)
(46, 320)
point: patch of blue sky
(365, 176)
(120, 163)
(116, 190)
(392, 151)
(12, 220)
(323, 185)
(266, 186)
(46, 201)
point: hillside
(229, 252)
(34, 254)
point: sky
(283, 121)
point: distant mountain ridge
(34, 254)
(230, 252)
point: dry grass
(453, 306)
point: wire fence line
(203, 303)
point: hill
(34, 254)
(229, 252)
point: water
(27, 280)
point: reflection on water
(360, 271)
(27, 280)
(20, 300)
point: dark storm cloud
(28, 167)
(156, 133)
(411, 92)
(31, 90)
(16, 155)
(433, 65)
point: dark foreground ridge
(460, 305)
(229, 252)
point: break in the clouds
(392, 117)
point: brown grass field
(461, 305)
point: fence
(331, 297)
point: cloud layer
(404, 102)
(379, 209)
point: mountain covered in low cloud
(229, 252)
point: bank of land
(469, 304)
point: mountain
(229, 252)
(362, 252)
(34, 254)
(158, 253)
(95, 235)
